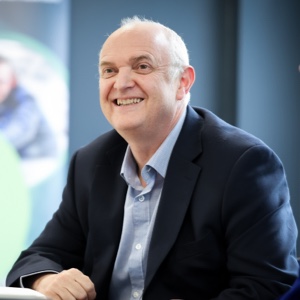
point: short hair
(178, 50)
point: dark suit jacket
(224, 227)
(294, 292)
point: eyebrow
(136, 59)
(132, 60)
(105, 63)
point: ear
(185, 82)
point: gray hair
(178, 50)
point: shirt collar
(160, 159)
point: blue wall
(246, 55)
(269, 81)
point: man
(21, 121)
(173, 203)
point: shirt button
(141, 199)
(135, 294)
(138, 246)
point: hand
(67, 285)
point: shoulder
(102, 149)
(222, 144)
(104, 154)
(216, 132)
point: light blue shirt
(139, 215)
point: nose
(123, 79)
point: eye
(143, 68)
(108, 72)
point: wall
(269, 81)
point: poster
(34, 105)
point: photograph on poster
(33, 141)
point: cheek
(104, 89)
(103, 98)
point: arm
(64, 285)
(61, 246)
(260, 229)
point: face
(6, 81)
(137, 94)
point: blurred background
(246, 55)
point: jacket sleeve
(260, 230)
(60, 246)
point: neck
(144, 145)
(143, 152)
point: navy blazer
(224, 227)
(294, 292)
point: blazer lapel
(181, 177)
(108, 194)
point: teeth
(128, 101)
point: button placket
(138, 246)
(135, 294)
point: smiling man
(173, 203)
(141, 92)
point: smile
(122, 102)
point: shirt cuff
(33, 274)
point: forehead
(138, 40)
